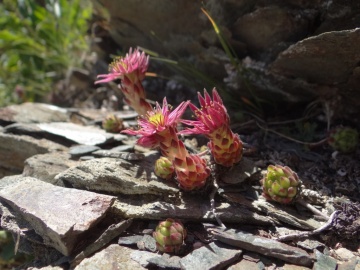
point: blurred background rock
(288, 56)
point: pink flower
(134, 65)
(131, 70)
(211, 116)
(213, 121)
(156, 121)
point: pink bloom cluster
(158, 128)
(131, 70)
(213, 121)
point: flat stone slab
(88, 135)
(240, 172)
(324, 262)
(314, 58)
(33, 113)
(45, 167)
(61, 216)
(113, 257)
(190, 207)
(118, 177)
(15, 149)
(264, 246)
(215, 255)
(82, 150)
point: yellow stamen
(156, 119)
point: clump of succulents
(344, 139)
(280, 184)
(164, 168)
(158, 126)
(169, 236)
(113, 124)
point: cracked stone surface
(113, 257)
(212, 256)
(59, 215)
(265, 246)
(15, 149)
(87, 135)
(117, 177)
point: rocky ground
(77, 197)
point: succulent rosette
(280, 184)
(169, 236)
(344, 139)
(131, 70)
(164, 168)
(212, 120)
(158, 128)
(112, 123)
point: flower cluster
(158, 128)
(131, 71)
(212, 120)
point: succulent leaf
(113, 124)
(164, 168)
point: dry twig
(297, 236)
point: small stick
(313, 209)
(307, 234)
(212, 203)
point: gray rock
(344, 254)
(147, 242)
(123, 148)
(29, 241)
(264, 246)
(88, 135)
(117, 154)
(10, 180)
(117, 177)
(33, 113)
(85, 158)
(314, 58)
(215, 255)
(294, 267)
(130, 240)
(30, 129)
(286, 214)
(310, 245)
(114, 257)
(166, 261)
(248, 264)
(143, 257)
(113, 231)
(59, 215)
(193, 207)
(49, 267)
(46, 166)
(119, 137)
(352, 264)
(15, 149)
(324, 262)
(268, 26)
(240, 172)
(81, 150)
